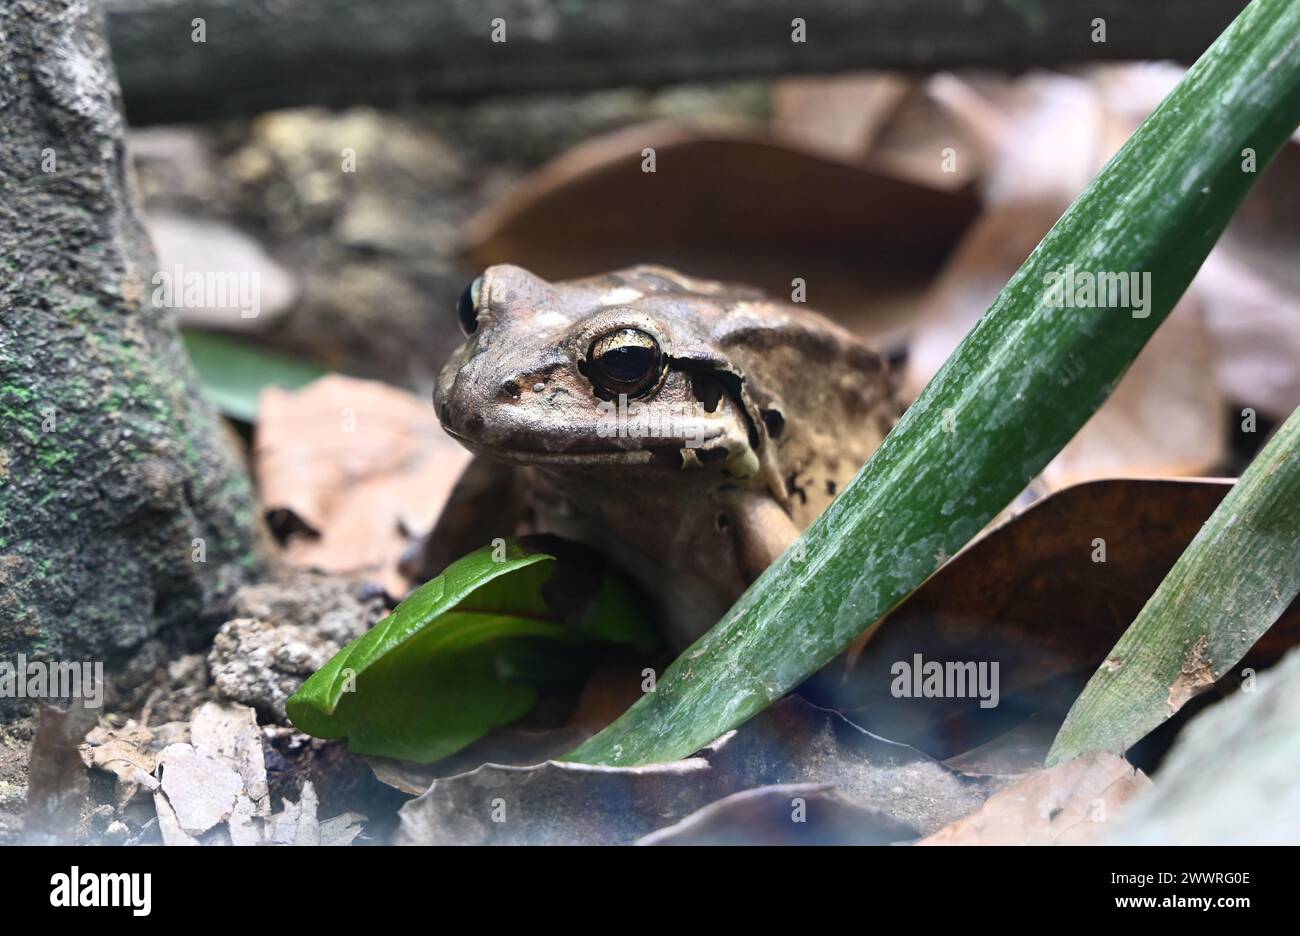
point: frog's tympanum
(689, 429)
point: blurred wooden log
(259, 55)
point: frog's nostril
(474, 424)
(510, 389)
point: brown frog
(688, 428)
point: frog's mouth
(660, 454)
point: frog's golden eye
(625, 361)
(467, 307)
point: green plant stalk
(1229, 586)
(1021, 384)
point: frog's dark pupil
(467, 311)
(628, 363)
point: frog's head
(618, 370)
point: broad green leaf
(448, 663)
(1021, 384)
(234, 371)
(1234, 580)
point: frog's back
(827, 398)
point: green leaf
(234, 371)
(447, 664)
(1233, 581)
(1021, 384)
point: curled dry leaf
(786, 814)
(890, 122)
(1040, 138)
(928, 143)
(130, 753)
(840, 115)
(729, 205)
(1069, 804)
(349, 471)
(1033, 598)
(553, 803)
(506, 747)
(790, 743)
(57, 784)
(794, 741)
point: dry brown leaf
(785, 814)
(992, 249)
(201, 789)
(1068, 804)
(1164, 417)
(349, 470)
(213, 789)
(791, 742)
(1045, 137)
(729, 205)
(130, 753)
(1255, 325)
(1249, 286)
(57, 783)
(1031, 597)
(915, 142)
(840, 115)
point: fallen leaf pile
(893, 792)
(208, 782)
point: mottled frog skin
(690, 429)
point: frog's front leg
(762, 531)
(486, 503)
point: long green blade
(1233, 581)
(1023, 382)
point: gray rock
(262, 665)
(286, 631)
(112, 468)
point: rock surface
(285, 632)
(123, 513)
